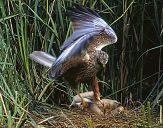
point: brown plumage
(81, 57)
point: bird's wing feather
(42, 58)
(86, 25)
(84, 21)
(76, 35)
(75, 50)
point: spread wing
(73, 51)
(86, 24)
(84, 21)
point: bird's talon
(84, 105)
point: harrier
(81, 57)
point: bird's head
(102, 57)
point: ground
(75, 118)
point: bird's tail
(42, 58)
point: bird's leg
(79, 98)
(96, 91)
(84, 104)
(95, 87)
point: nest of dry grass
(76, 118)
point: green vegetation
(135, 67)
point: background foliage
(135, 67)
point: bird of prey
(81, 57)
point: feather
(74, 50)
(85, 21)
(86, 25)
(42, 58)
(77, 35)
